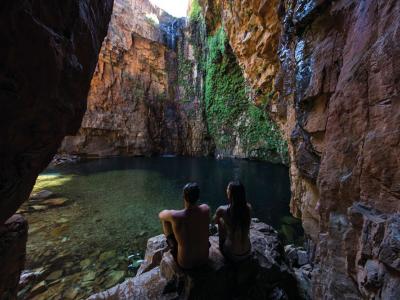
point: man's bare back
(190, 228)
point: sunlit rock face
(49, 53)
(135, 104)
(331, 68)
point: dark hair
(240, 214)
(191, 192)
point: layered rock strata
(136, 105)
(331, 68)
(264, 276)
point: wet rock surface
(13, 237)
(49, 54)
(263, 276)
(335, 95)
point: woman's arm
(218, 215)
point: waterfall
(172, 30)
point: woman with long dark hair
(233, 222)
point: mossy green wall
(233, 121)
(231, 115)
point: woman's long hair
(238, 210)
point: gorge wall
(168, 86)
(331, 74)
(136, 104)
(48, 56)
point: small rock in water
(54, 275)
(114, 278)
(59, 230)
(39, 207)
(71, 293)
(39, 288)
(55, 201)
(107, 255)
(28, 276)
(62, 220)
(85, 263)
(44, 194)
(89, 276)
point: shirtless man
(187, 229)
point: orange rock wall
(135, 104)
(332, 71)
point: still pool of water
(112, 209)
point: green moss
(195, 12)
(229, 110)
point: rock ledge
(265, 275)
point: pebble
(114, 278)
(39, 288)
(54, 275)
(39, 207)
(55, 201)
(85, 263)
(89, 276)
(107, 255)
(71, 293)
(44, 194)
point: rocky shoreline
(270, 273)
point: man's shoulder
(204, 207)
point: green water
(113, 207)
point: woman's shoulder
(222, 208)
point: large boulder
(265, 275)
(48, 53)
(13, 236)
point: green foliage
(185, 68)
(229, 110)
(195, 12)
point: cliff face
(136, 105)
(48, 55)
(332, 70)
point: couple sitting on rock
(187, 230)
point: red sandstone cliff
(334, 72)
(135, 104)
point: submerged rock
(44, 194)
(56, 202)
(265, 275)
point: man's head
(191, 192)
